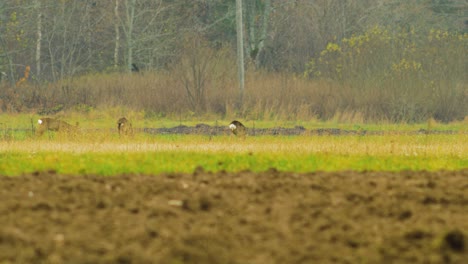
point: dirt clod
(455, 240)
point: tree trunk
(263, 34)
(240, 50)
(117, 34)
(257, 31)
(11, 74)
(130, 9)
(39, 38)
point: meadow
(99, 150)
(397, 196)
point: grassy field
(106, 154)
(103, 152)
(107, 119)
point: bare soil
(270, 217)
(205, 129)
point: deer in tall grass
(238, 129)
(124, 126)
(51, 124)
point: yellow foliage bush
(415, 75)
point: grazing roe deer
(124, 126)
(51, 124)
(237, 128)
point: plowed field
(270, 217)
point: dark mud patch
(271, 217)
(205, 129)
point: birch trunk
(240, 50)
(117, 33)
(130, 9)
(39, 38)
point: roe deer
(237, 128)
(51, 124)
(124, 126)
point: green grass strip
(106, 164)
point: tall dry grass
(268, 96)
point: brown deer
(237, 128)
(51, 124)
(124, 126)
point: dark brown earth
(204, 129)
(271, 217)
(217, 130)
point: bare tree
(194, 70)
(148, 28)
(257, 21)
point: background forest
(348, 60)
